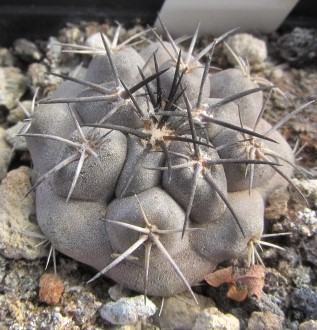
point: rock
(306, 221)
(27, 50)
(21, 279)
(128, 310)
(289, 265)
(263, 321)
(302, 275)
(180, 312)
(37, 74)
(16, 114)
(51, 289)
(301, 219)
(308, 325)
(54, 51)
(82, 306)
(276, 287)
(267, 303)
(276, 74)
(95, 41)
(248, 47)
(71, 34)
(5, 155)
(117, 291)
(17, 142)
(136, 326)
(304, 299)
(308, 189)
(292, 257)
(311, 250)
(16, 216)
(277, 204)
(13, 85)
(298, 47)
(212, 318)
(308, 216)
(6, 58)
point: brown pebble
(51, 289)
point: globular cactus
(152, 170)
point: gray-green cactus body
(145, 173)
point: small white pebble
(95, 41)
(308, 216)
(248, 47)
(277, 74)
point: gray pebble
(16, 114)
(54, 51)
(27, 50)
(5, 154)
(180, 311)
(128, 310)
(308, 325)
(298, 47)
(117, 291)
(212, 318)
(13, 85)
(309, 188)
(304, 299)
(95, 41)
(16, 217)
(248, 47)
(263, 321)
(17, 142)
(311, 250)
(7, 58)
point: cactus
(152, 170)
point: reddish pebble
(51, 289)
